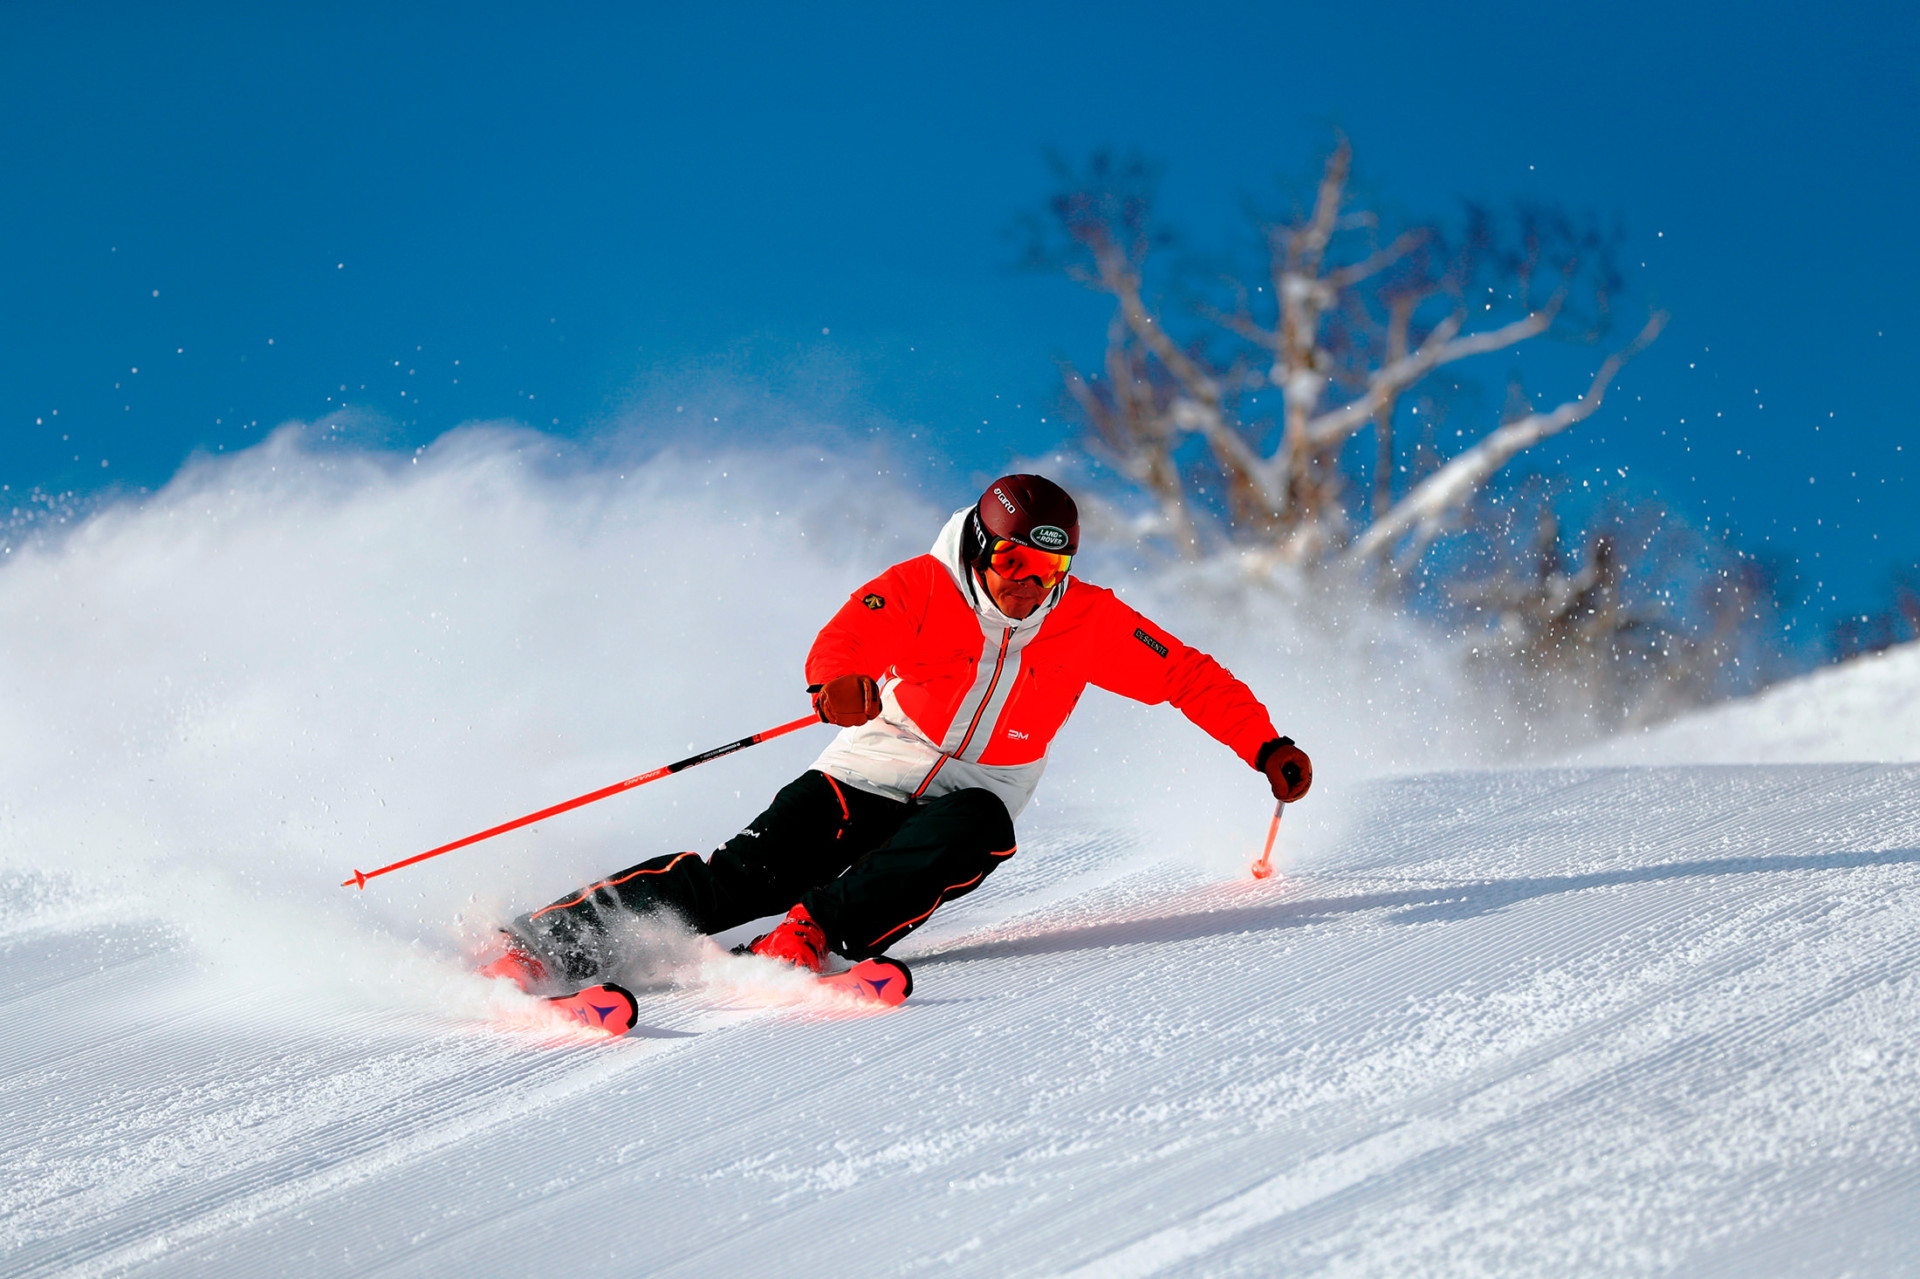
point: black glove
(1287, 767)
(847, 701)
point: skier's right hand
(848, 700)
(1289, 771)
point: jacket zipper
(999, 665)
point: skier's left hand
(1288, 771)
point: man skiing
(984, 645)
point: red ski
(612, 1008)
(607, 1007)
(881, 981)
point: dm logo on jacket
(873, 601)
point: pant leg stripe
(846, 814)
(591, 889)
(929, 910)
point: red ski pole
(360, 878)
(1264, 867)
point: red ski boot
(516, 965)
(797, 940)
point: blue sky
(593, 208)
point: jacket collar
(946, 549)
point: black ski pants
(868, 869)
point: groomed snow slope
(1582, 1021)
(1593, 1019)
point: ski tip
(880, 980)
(608, 1006)
(629, 1012)
(906, 973)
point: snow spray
(221, 692)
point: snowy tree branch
(1423, 513)
(1441, 347)
(1360, 321)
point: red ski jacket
(980, 689)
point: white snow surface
(1865, 709)
(1596, 1018)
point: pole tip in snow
(358, 881)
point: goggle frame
(1023, 561)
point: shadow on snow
(1436, 904)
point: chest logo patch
(1150, 642)
(873, 601)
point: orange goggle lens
(1012, 560)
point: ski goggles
(1014, 561)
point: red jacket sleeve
(1137, 659)
(876, 626)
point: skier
(948, 675)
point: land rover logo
(1048, 538)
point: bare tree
(1344, 324)
(1633, 618)
(1239, 399)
